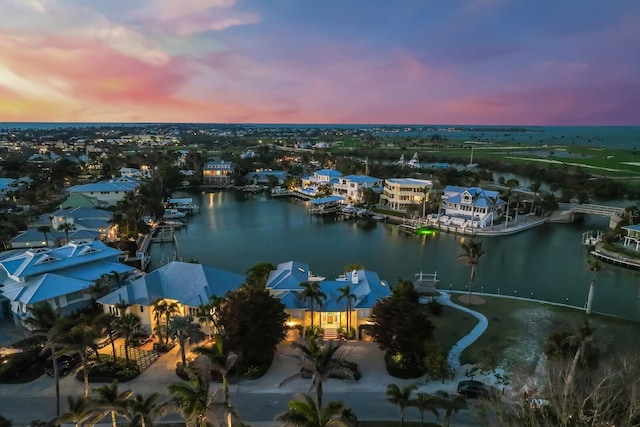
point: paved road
(252, 407)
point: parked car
(106, 340)
(138, 340)
(476, 389)
(66, 363)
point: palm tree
(163, 310)
(535, 188)
(127, 325)
(183, 329)
(45, 229)
(221, 363)
(303, 412)
(451, 404)
(79, 410)
(207, 313)
(425, 402)
(67, 227)
(583, 337)
(345, 293)
(507, 194)
(472, 251)
(43, 322)
(143, 411)
(81, 338)
(108, 321)
(594, 266)
(493, 202)
(401, 397)
(193, 399)
(322, 360)
(109, 400)
(311, 291)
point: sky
(492, 62)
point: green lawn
(451, 326)
(518, 329)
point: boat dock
(183, 204)
(615, 258)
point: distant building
(109, 191)
(8, 186)
(262, 177)
(217, 172)
(399, 193)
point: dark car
(476, 389)
(66, 363)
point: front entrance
(330, 320)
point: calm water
(235, 231)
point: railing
(602, 210)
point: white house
(110, 191)
(474, 203)
(8, 186)
(311, 183)
(350, 187)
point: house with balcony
(350, 187)
(399, 193)
(187, 284)
(60, 276)
(109, 191)
(632, 239)
(8, 186)
(218, 173)
(311, 183)
(367, 288)
(474, 204)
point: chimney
(354, 277)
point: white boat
(173, 214)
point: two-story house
(472, 203)
(217, 172)
(311, 183)
(350, 187)
(109, 191)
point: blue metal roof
(95, 270)
(117, 184)
(328, 172)
(361, 179)
(188, 283)
(288, 275)
(635, 227)
(44, 288)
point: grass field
(518, 330)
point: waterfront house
(350, 187)
(311, 183)
(109, 191)
(284, 283)
(187, 284)
(399, 193)
(632, 239)
(217, 172)
(60, 276)
(133, 173)
(262, 177)
(472, 204)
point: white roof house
(399, 193)
(351, 186)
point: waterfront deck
(616, 258)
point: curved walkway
(454, 354)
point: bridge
(590, 209)
(567, 212)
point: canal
(235, 231)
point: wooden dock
(616, 259)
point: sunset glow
(374, 61)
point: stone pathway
(454, 354)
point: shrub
(435, 307)
(163, 347)
(106, 371)
(401, 366)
